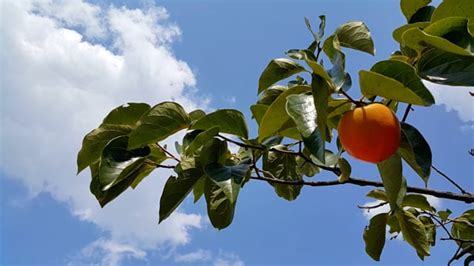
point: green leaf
(175, 191)
(310, 59)
(422, 15)
(95, 141)
(275, 118)
(377, 194)
(332, 47)
(355, 35)
(419, 40)
(196, 115)
(198, 189)
(395, 80)
(446, 68)
(118, 163)
(160, 122)
(305, 168)
(409, 7)
(463, 228)
(214, 151)
(219, 208)
(228, 178)
(374, 236)
(393, 224)
(321, 91)
(302, 110)
(391, 172)
(201, 139)
(345, 170)
(415, 151)
(258, 111)
(454, 8)
(283, 166)
(145, 170)
(228, 120)
(413, 232)
(398, 32)
(417, 201)
(127, 115)
(268, 96)
(444, 215)
(277, 70)
(430, 229)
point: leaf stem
(167, 152)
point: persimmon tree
(296, 122)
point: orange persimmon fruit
(370, 133)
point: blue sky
(65, 64)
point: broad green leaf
(413, 232)
(391, 172)
(219, 208)
(201, 139)
(463, 228)
(430, 229)
(277, 70)
(198, 188)
(419, 40)
(332, 47)
(310, 59)
(146, 168)
(127, 115)
(117, 163)
(302, 110)
(374, 236)
(398, 32)
(444, 215)
(175, 191)
(196, 115)
(95, 141)
(454, 8)
(283, 166)
(393, 224)
(446, 68)
(104, 197)
(417, 201)
(228, 178)
(453, 29)
(228, 120)
(409, 7)
(345, 170)
(268, 96)
(305, 168)
(415, 151)
(276, 117)
(214, 151)
(355, 35)
(377, 194)
(395, 80)
(321, 90)
(258, 111)
(422, 15)
(160, 122)
(406, 76)
(322, 25)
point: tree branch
(362, 182)
(167, 152)
(449, 179)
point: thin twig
(454, 256)
(245, 145)
(407, 111)
(372, 207)
(357, 103)
(450, 180)
(458, 239)
(362, 182)
(165, 166)
(167, 152)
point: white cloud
(228, 259)
(455, 99)
(56, 85)
(199, 255)
(106, 252)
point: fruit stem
(357, 103)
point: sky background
(65, 64)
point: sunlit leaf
(277, 70)
(393, 182)
(228, 120)
(413, 232)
